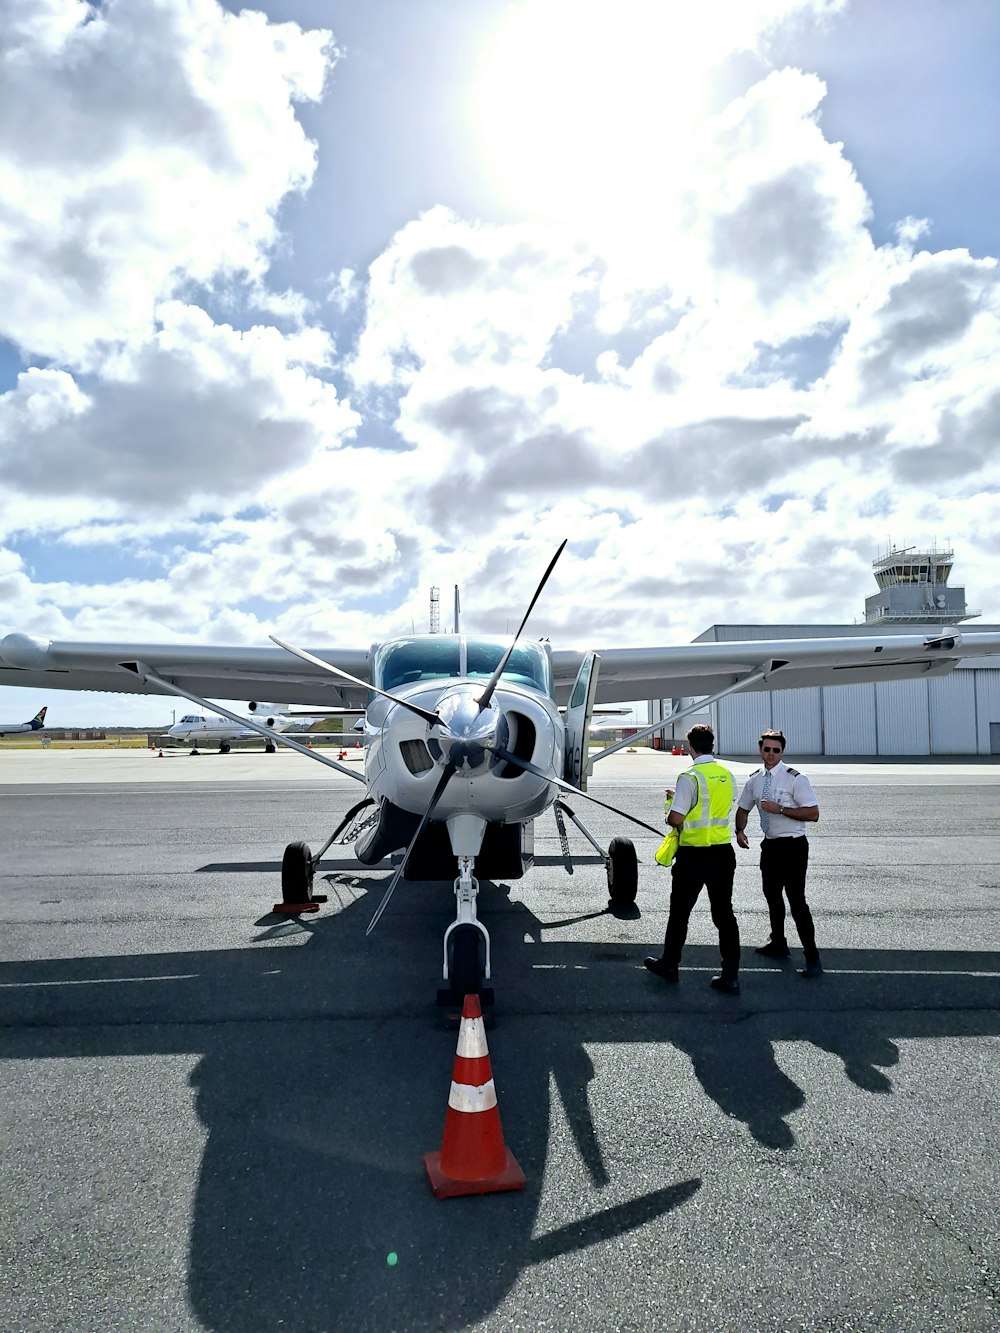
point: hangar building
(958, 714)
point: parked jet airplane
(197, 729)
(465, 744)
(36, 724)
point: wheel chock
(292, 909)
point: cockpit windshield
(528, 664)
(406, 661)
(438, 657)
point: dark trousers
(694, 869)
(783, 865)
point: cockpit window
(432, 658)
(192, 717)
(528, 664)
(407, 661)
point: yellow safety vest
(706, 824)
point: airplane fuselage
(406, 756)
(16, 728)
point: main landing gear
(298, 865)
(622, 866)
(620, 860)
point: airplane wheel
(466, 971)
(269, 747)
(623, 872)
(296, 874)
(224, 747)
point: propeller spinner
(466, 734)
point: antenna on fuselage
(458, 611)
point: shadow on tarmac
(319, 1111)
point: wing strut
(146, 673)
(760, 673)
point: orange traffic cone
(474, 1158)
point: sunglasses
(770, 749)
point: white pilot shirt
(788, 787)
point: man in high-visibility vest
(705, 860)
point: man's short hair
(771, 734)
(701, 739)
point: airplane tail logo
(38, 721)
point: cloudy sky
(308, 307)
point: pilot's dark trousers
(711, 868)
(783, 865)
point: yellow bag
(667, 849)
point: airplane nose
(466, 734)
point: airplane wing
(626, 673)
(773, 664)
(215, 673)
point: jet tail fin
(38, 720)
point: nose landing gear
(466, 949)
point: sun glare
(588, 109)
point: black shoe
(728, 985)
(773, 950)
(813, 969)
(660, 969)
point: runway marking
(97, 981)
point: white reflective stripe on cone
(472, 1039)
(466, 1097)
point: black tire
(623, 872)
(466, 972)
(269, 747)
(224, 747)
(297, 873)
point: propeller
(501, 753)
(487, 694)
(446, 774)
(425, 713)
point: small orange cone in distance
(474, 1158)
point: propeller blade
(501, 753)
(425, 713)
(487, 694)
(449, 769)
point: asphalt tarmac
(214, 1118)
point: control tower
(913, 589)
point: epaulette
(795, 772)
(756, 771)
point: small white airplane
(200, 729)
(465, 743)
(36, 724)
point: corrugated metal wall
(952, 701)
(738, 722)
(987, 706)
(949, 715)
(849, 720)
(946, 715)
(902, 718)
(799, 713)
